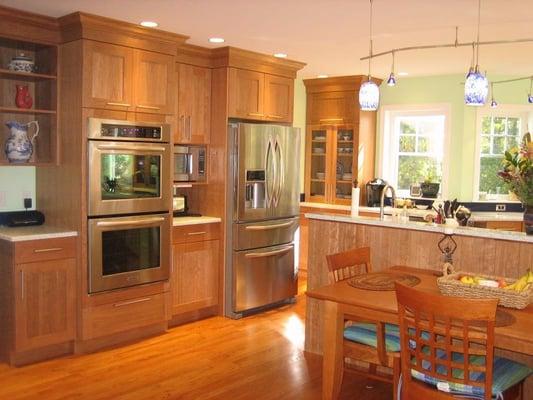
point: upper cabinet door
(331, 108)
(107, 76)
(154, 73)
(279, 94)
(194, 104)
(246, 94)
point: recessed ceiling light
(280, 55)
(322, 76)
(216, 40)
(403, 73)
(149, 24)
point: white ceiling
(331, 35)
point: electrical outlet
(3, 199)
(500, 207)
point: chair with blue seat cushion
(447, 349)
(371, 342)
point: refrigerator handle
(280, 178)
(270, 181)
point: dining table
(342, 302)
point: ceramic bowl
(21, 63)
(320, 175)
(318, 150)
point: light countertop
(38, 232)
(183, 221)
(389, 222)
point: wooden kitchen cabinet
(332, 107)
(121, 78)
(195, 267)
(39, 309)
(194, 104)
(259, 96)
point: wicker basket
(450, 285)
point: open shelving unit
(43, 88)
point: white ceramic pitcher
(19, 147)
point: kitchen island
(412, 244)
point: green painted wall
(449, 89)
(16, 183)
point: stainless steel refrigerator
(263, 194)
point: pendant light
(392, 80)
(530, 96)
(369, 91)
(493, 103)
(476, 84)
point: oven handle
(144, 147)
(269, 253)
(146, 221)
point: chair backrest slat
(445, 338)
(347, 264)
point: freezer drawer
(263, 276)
(253, 235)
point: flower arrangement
(517, 171)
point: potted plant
(517, 173)
(430, 186)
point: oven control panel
(129, 131)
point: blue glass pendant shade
(493, 103)
(476, 89)
(392, 80)
(369, 96)
(530, 98)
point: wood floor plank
(260, 357)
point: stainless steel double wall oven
(129, 203)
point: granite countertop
(389, 222)
(38, 232)
(183, 221)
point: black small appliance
(22, 218)
(373, 192)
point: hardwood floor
(259, 357)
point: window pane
(488, 178)
(423, 144)
(485, 144)
(407, 126)
(513, 126)
(414, 169)
(511, 142)
(485, 125)
(499, 125)
(407, 144)
(498, 146)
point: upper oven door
(126, 178)
(110, 129)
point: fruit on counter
(523, 283)
(467, 279)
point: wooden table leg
(333, 361)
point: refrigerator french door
(263, 191)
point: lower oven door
(128, 178)
(128, 251)
(263, 276)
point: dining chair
(372, 342)
(447, 349)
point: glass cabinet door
(344, 160)
(318, 163)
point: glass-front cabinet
(330, 157)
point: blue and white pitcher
(19, 147)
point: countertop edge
(186, 221)
(17, 237)
(419, 226)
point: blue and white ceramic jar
(18, 146)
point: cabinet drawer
(122, 316)
(45, 249)
(195, 233)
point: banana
(529, 276)
(521, 284)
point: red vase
(23, 98)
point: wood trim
(336, 83)
(27, 26)
(246, 59)
(81, 25)
(195, 55)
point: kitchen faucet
(382, 200)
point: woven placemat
(382, 280)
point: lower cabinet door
(45, 304)
(195, 276)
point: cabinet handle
(128, 302)
(48, 250)
(196, 233)
(331, 119)
(110, 103)
(148, 107)
(189, 128)
(275, 116)
(256, 114)
(22, 284)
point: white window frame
(387, 164)
(503, 110)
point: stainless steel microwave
(190, 164)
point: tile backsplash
(16, 183)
